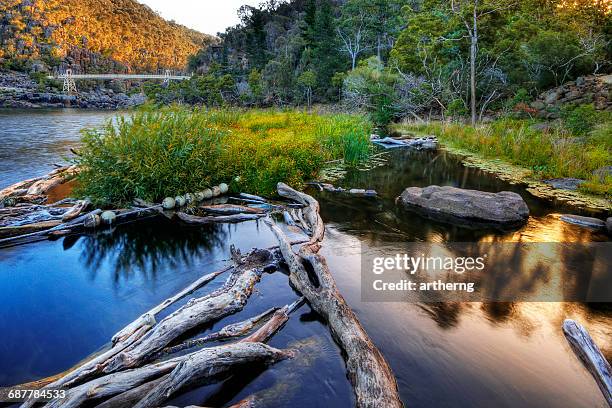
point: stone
(609, 225)
(539, 105)
(569, 183)
(589, 222)
(498, 208)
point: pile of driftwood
(148, 362)
(420, 143)
(28, 222)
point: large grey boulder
(497, 208)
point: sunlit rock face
(501, 208)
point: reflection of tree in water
(445, 314)
(148, 246)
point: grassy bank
(155, 153)
(549, 153)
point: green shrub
(456, 109)
(580, 120)
(165, 152)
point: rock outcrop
(18, 91)
(595, 89)
(504, 208)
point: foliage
(582, 119)
(552, 153)
(164, 152)
(95, 34)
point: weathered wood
(373, 381)
(230, 209)
(148, 317)
(131, 397)
(310, 211)
(17, 231)
(253, 197)
(225, 301)
(590, 355)
(195, 220)
(76, 210)
(227, 332)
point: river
(62, 300)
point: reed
(550, 153)
(154, 153)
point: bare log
(590, 355)
(230, 209)
(227, 332)
(10, 232)
(253, 197)
(311, 212)
(225, 301)
(76, 210)
(373, 381)
(149, 316)
(195, 220)
(209, 364)
(131, 397)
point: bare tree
(353, 41)
(470, 20)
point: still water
(62, 300)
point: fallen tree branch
(227, 332)
(310, 211)
(373, 381)
(590, 355)
(208, 364)
(230, 209)
(195, 220)
(225, 301)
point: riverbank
(20, 91)
(554, 165)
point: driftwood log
(590, 355)
(37, 187)
(235, 218)
(373, 381)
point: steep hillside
(93, 34)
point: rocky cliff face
(595, 89)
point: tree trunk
(473, 53)
(373, 381)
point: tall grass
(550, 153)
(164, 152)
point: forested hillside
(93, 35)
(399, 58)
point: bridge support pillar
(69, 84)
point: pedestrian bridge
(70, 85)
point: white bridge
(70, 85)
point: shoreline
(515, 174)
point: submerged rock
(571, 184)
(498, 208)
(589, 222)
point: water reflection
(143, 249)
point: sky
(206, 16)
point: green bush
(156, 153)
(580, 120)
(456, 109)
